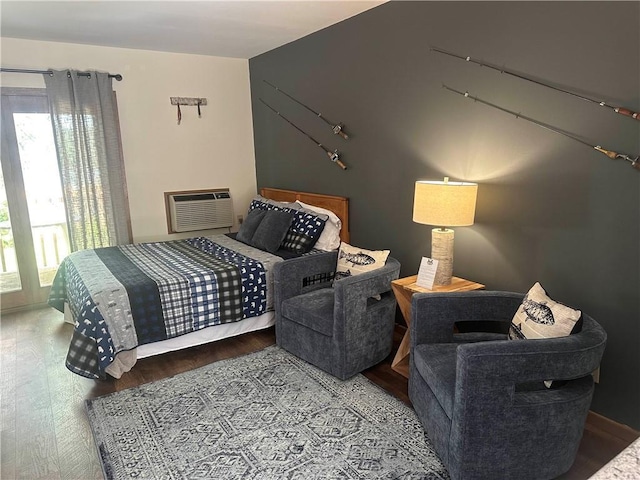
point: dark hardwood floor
(45, 433)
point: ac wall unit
(199, 210)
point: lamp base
(442, 250)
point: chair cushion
(436, 364)
(313, 310)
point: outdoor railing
(51, 245)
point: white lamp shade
(444, 203)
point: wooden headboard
(338, 205)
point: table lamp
(444, 204)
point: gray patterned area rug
(266, 415)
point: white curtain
(87, 137)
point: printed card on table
(427, 272)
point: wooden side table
(403, 289)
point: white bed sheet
(199, 337)
(207, 335)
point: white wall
(214, 151)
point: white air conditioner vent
(199, 210)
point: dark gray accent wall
(549, 209)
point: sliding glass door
(33, 229)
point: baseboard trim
(23, 308)
(604, 425)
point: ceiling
(234, 28)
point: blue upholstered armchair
(481, 398)
(341, 329)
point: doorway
(33, 228)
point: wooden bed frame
(338, 205)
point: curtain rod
(117, 76)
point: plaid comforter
(125, 296)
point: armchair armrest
(289, 276)
(433, 315)
(353, 297)
(367, 285)
(509, 362)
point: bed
(135, 301)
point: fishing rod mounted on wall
(635, 162)
(620, 110)
(337, 129)
(334, 156)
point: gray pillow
(250, 225)
(271, 231)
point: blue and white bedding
(129, 295)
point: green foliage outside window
(7, 241)
(4, 212)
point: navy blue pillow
(250, 225)
(271, 231)
(305, 229)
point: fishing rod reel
(335, 158)
(339, 130)
(635, 162)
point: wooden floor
(45, 433)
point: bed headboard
(338, 205)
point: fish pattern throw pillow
(541, 317)
(354, 260)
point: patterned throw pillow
(329, 239)
(354, 260)
(268, 201)
(541, 317)
(304, 232)
(305, 228)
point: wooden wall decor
(188, 101)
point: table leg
(400, 362)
